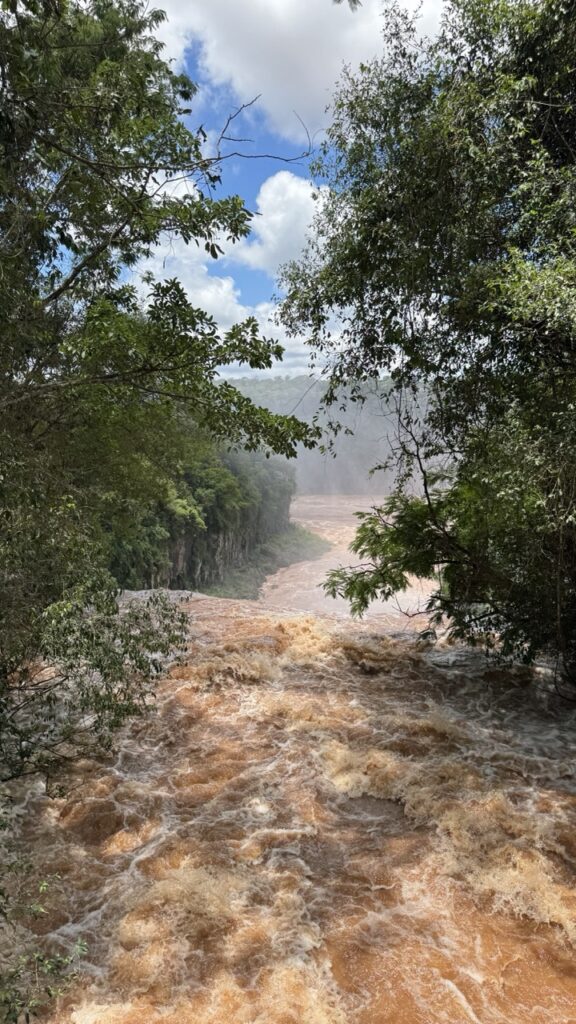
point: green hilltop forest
(226, 529)
(358, 432)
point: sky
(289, 54)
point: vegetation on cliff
(294, 544)
(231, 505)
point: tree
(352, 4)
(446, 250)
(99, 385)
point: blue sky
(290, 52)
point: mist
(363, 442)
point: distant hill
(362, 443)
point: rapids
(320, 823)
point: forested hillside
(366, 432)
(229, 505)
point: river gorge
(322, 821)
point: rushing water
(321, 824)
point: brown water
(321, 824)
(299, 586)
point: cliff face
(241, 501)
(198, 558)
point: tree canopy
(445, 251)
(104, 379)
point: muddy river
(321, 823)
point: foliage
(105, 386)
(31, 974)
(95, 666)
(229, 504)
(33, 980)
(446, 252)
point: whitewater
(320, 822)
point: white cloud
(285, 207)
(289, 51)
(219, 296)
